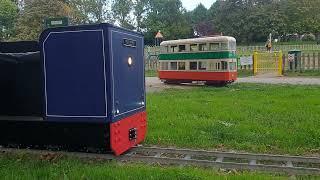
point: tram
(209, 59)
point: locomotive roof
(199, 40)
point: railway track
(292, 165)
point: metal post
(255, 63)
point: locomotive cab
(81, 88)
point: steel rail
(188, 157)
(250, 156)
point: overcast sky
(191, 4)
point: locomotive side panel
(75, 75)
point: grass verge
(151, 73)
(246, 117)
(25, 166)
(303, 74)
(245, 73)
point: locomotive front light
(130, 61)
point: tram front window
(232, 66)
(224, 46)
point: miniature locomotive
(79, 87)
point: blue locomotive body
(86, 89)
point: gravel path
(153, 84)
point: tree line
(247, 20)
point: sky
(191, 4)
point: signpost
(56, 22)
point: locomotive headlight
(130, 61)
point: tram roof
(199, 40)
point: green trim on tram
(198, 55)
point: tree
(8, 14)
(303, 16)
(140, 8)
(168, 16)
(89, 11)
(121, 10)
(199, 14)
(31, 19)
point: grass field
(27, 166)
(246, 117)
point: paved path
(154, 84)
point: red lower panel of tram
(198, 76)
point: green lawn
(245, 73)
(307, 73)
(151, 73)
(26, 166)
(246, 117)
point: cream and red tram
(209, 59)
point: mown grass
(245, 73)
(26, 166)
(308, 73)
(151, 73)
(245, 117)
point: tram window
(173, 65)
(193, 47)
(202, 66)
(164, 65)
(174, 48)
(181, 66)
(233, 45)
(203, 47)
(224, 46)
(217, 65)
(182, 48)
(214, 46)
(232, 65)
(164, 49)
(211, 66)
(193, 65)
(224, 65)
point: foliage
(249, 21)
(89, 11)
(308, 37)
(169, 17)
(31, 19)
(121, 10)
(8, 14)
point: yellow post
(280, 63)
(255, 63)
